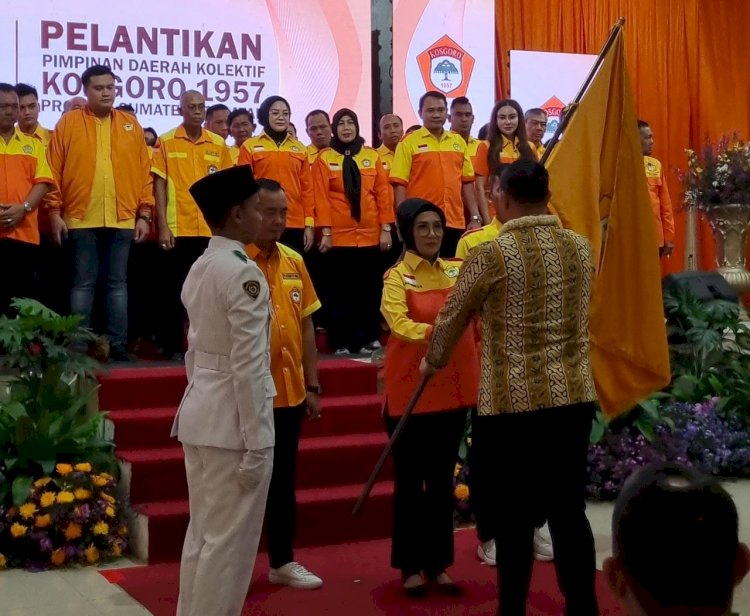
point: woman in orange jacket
(415, 290)
(507, 142)
(354, 205)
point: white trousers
(223, 535)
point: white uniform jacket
(228, 402)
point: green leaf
(47, 466)
(21, 489)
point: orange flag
(599, 190)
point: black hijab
(263, 112)
(406, 215)
(350, 170)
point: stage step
(148, 428)
(322, 462)
(324, 518)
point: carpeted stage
(359, 582)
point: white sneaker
(294, 575)
(342, 352)
(486, 553)
(543, 545)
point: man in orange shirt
(462, 119)
(217, 120)
(26, 179)
(657, 188)
(28, 116)
(294, 366)
(434, 164)
(318, 125)
(241, 127)
(390, 132)
(100, 162)
(184, 155)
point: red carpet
(359, 581)
(336, 455)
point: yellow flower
(122, 531)
(3, 561)
(116, 550)
(73, 531)
(40, 483)
(110, 512)
(65, 497)
(82, 494)
(107, 476)
(461, 492)
(43, 521)
(58, 557)
(64, 469)
(18, 530)
(99, 481)
(83, 467)
(27, 510)
(47, 499)
(101, 528)
(92, 554)
(457, 470)
(107, 498)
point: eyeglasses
(279, 113)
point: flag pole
(394, 438)
(570, 110)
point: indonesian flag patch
(411, 280)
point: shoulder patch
(252, 288)
(240, 255)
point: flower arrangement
(720, 176)
(463, 514)
(695, 434)
(71, 516)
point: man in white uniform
(225, 420)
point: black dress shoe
(449, 588)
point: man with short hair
(318, 125)
(434, 164)
(28, 114)
(675, 544)
(26, 179)
(661, 203)
(542, 392)
(217, 120)
(183, 156)
(77, 102)
(225, 419)
(241, 126)
(390, 132)
(536, 127)
(294, 365)
(462, 118)
(105, 201)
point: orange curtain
(689, 62)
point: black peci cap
(218, 192)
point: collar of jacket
(526, 222)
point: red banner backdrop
(689, 61)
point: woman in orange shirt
(507, 142)
(354, 206)
(415, 290)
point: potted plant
(44, 419)
(717, 183)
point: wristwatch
(477, 218)
(314, 389)
(145, 217)
(27, 207)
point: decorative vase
(729, 224)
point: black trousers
(281, 506)
(55, 276)
(481, 474)
(352, 288)
(143, 287)
(423, 505)
(176, 264)
(450, 242)
(20, 263)
(540, 462)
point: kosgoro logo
(554, 108)
(446, 66)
